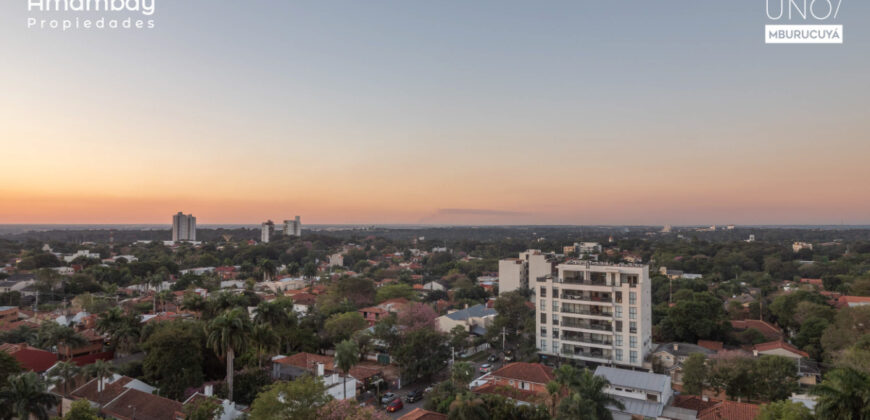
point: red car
(395, 405)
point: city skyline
(440, 113)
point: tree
(843, 395)
(849, 324)
(346, 357)
(8, 366)
(461, 374)
(101, 370)
(701, 316)
(123, 330)
(417, 316)
(265, 340)
(348, 410)
(734, 375)
(64, 373)
(228, 334)
(267, 269)
(26, 395)
(694, 374)
(587, 396)
(203, 409)
(775, 377)
(339, 327)
(554, 389)
(784, 410)
(421, 353)
(300, 399)
(82, 410)
(394, 291)
(174, 357)
(467, 407)
(459, 338)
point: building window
(633, 355)
(543, 305)
(617, 297)
(555, 333)
(632, 313)
(618, 354)
(543, 345)
(617, 311)
(632, 298)
(632, 327)
(618, 340)
(618, 326)
(652, 397)
(555, 306)
(555, 319)
(555, 346)
(543, 331)
(632, 341)
(543, 292)
(555, 292)
(543, 318)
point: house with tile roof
(529, 378)
(30, 358)
(475, 318)
(730, 410)
(779, 348)
(769, 331)
(852, 301)
(671, 356)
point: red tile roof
(510, 392)
(730, 410)
(844, 301)
(110, 391)
(144, 406)
(712, 345)
(770, 331)
(307, 361)
(421, 414)
(526, 372)
(30, 358)
(780, 344)
(692, 402)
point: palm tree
(65, 373)
(346, 357)
(276, 313)
(553, 389)
(588, 399)
(467, 407)
(227, 335)
(193, 302)
(462, 373)
(101, 370)
(265, 341)
(122, 330)
(155, 281)
(27, 395)
(844, 394)
(164, 296)
(267, 268)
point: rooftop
(634, 379)
(527, 372)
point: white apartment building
(267, 229)
(183, 227)
(293, 227)
(595, 312)
(516, 273)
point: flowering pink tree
(416, 317)
(349, 410)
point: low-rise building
(291, 367)
(474, 318)
(643, 394)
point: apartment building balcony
(599, 355)
(587, 296)
(587, 324)
(591, 310)
(595, 339)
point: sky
(450, 111)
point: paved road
(408, 407)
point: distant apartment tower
(293, 227)
(183, 227)
(595, 312)
(516, 273)
(267, 230)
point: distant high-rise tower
(183, 227)
(293, 227)
(268, 228)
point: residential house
(769, 331)
(525, 383)
(475, 319)
(671, 356)
(643, 394)
(30, 358)
(292, 367)
(421, 414)
(852, 301)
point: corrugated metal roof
(633, 379)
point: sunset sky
(467, 112)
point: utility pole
(503, 335)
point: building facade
(517, 273)
(267, 229)
(595, 312)
(183, 227)
(293, 227)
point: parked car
(428, 389)
(387, 398)
(414, 396)
(485, 368)
(396, 405)
(492, 359)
